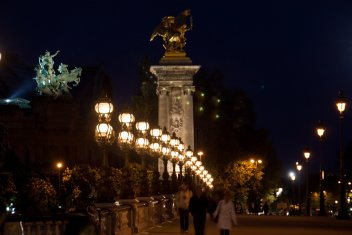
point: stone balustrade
(124, 217)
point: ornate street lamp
(165, 150)
(104, 133)
(306, 154)
(142, 143)
(299, 168)
(320, 129)
(126, 138)
(342, 213)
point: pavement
(265, 225)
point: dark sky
(291, 57)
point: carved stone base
(175, 58)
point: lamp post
(306, 154)
(104, 132)
(200, 154)
(320, 132)
(142, 143)
(293, 178)
(165, 151)
(125, 138)
(342, 212)
(59, 165)
(182, 158)
(299, 168)
(189, 156)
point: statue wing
(181, 19)
(158, 30)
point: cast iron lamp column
(293, 178)
(59, 165)
(342, 213)
(142, 143)
(320, 132)
(299, 168)
(306, 154)
(125, 138)
(104, 133)
(181, 158)
(165, 151)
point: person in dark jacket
(198, 207)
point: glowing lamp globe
(341, 102)
(181, 146)
(174, 140)
(165, 136)
(104, 130)
(104, 109)
(125, 137)
(156, 133)
(189, 152)
(306, 153)
(155, 147)
(320, 129)
(126, 118)
(165, 150)
(142, 143)
(142, 126)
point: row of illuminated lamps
(161, 142)
(320, 130)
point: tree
(145, 103)
(242, 177)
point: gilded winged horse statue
(173, 30)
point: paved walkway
(265, 225)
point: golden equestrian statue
(173, 30)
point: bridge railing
(124, 217)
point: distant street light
(293, 178)
(299, 168)
(306, 154)
(342, 213)
(59, 165)
(320, 132)
(200, 154)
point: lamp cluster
(155, 141)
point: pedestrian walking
(198, 206)
(183, 197)
(266, 208)
(225, 214)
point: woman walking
(225, 214)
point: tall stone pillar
(175, 90)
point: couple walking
(198, 205)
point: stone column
(163, 117)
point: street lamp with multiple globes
(320, 132)
(342, 212)
(104, 132)
(142, 142)
(299, 168)
(306, 154)
(125, 137)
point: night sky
(291, 57)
